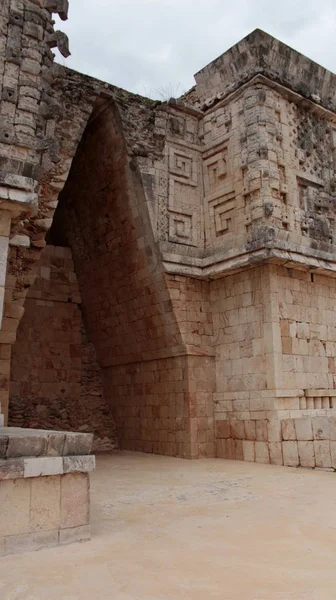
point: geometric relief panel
(221, 215)
(215, 170)
(182, 227)
(183, 166)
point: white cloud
(144, 45)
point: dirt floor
(165, 528)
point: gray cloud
(146, 45)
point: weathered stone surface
(40, 467)
(290, 454)
(29, 542)
(322, 453)
(24, 444)
(78, 444)
(321, 428)
(45, 504)
(12, 468)
(262, 454)
(75, 534)
(306, 453)
(15, 507)
(288, 429)
(79, 464)
(203, 237)
(303, 428)
(75, 500)
(275, 450)
(55, 444)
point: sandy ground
(165, 528)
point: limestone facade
(202, 232)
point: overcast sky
(147, 46)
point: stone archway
(103, 219)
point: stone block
(45, 503)
(275, 450)
(15, 507)
(46, 465)
(77, 444)
(222, 429)
(333, 454)
(75, 500)
(288, 429)
(237, 430)
(332, 424)
(24, 444)
(56, 442)
(250, 430)
(261, 430)
(30, 542)
(262, 452)
(321, 428)
(290, 453)
(225, 449)
(274, 430)
(3, 446)
(12, 468)
(322, 453)
(239, 450)
(75, 534)
(249, 451)
(79, 464)
(303, 428)
(306, 454)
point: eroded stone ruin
(168, 268)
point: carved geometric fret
(221, 215)
(215, 170)
(184, 166)
(182, 228)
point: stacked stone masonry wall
(56, 382)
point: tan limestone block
(290, 453)
(274, 430)
(332, 424)
(239, 455)
(15, 506)
(45, 503)
(261, 430)
(237, 430)
(321, 428)
(75, 500)
(250, 430)
(262, 452)
(249, 451)
(333, 454)
(40, 467)
(303, 428)
(322, 453)
(288, 429)
(222, 429)
(306, 454)
(275, 450)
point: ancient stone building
(168, 268)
